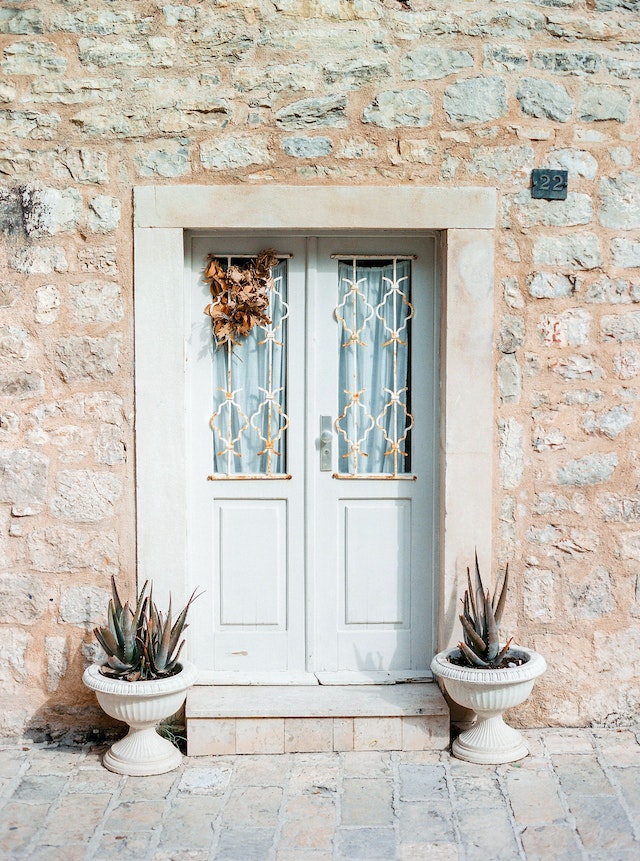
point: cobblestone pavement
(577, 796)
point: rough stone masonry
(99, 95)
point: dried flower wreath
(240, 296)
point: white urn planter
(142, 705)
(488, 693)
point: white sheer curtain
(373, 310)
(256, 376)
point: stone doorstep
(237, 719)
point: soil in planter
(506, 663)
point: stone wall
(99, 95)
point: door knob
(326, 443)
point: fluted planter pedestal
(141, 705)
(489, 693)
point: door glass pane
(249, 393)
(373, 314)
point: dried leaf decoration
(240, 296)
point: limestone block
(34, 125)
(23, 477)
(620, 201)
(590, 469)
(576, 251)
(354, 73)
(15, 343)
(23, 163)
(13, 669)
(511, 459)
(550, 285)
(305, 113)
(39, 260)
(397, 108)
(621, 327)
(508, 164)
(46, 304)
(549, 439)
(578, 162)
(626, 364)
(33, 58)
(575, 210)
(568, 62)
(83, 164)
(84, 605)
(539, 594)
(504, 58)
(512, 293)
(9, 294)
(612, 291)
(307, 147)
(104, 214)
(509, 380)
(20, 22)
(428, 64)
(97, 302)
(73, 92)
(551, 503)
(227, 153)
(276, 78)
(102, 259)
(103, 122)
(63, 549)
(7, 92)
(153, 51)
(55, 649)
(168, 159)
(23, 600)
(476, 100)
(593, 598)
(569, 329)
(85, 496)
(109, 447)
(21, 384)
(626, 253)
(602, 102)
(621, 67)
(82, 358)
(48, 211)
(618, 508)
(610, 423)
(544, 99)
(510, 334)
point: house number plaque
(549, 184)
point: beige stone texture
(382, 94)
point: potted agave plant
(142, 681)
(487, 676)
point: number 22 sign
(549, 184)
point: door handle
(326, 443)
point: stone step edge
(315, 701)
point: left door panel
(246, 541)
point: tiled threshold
(231, 719)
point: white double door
(314, 542)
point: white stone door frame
(465, 218)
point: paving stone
(134, 816)
(309, 823)
(368, 844)
(422, 782)
(534, 797)
(123, 847)
(426, 822)
(367, 801)
(76, 818)
(367, 764)
(576, 772)
(40, 788)
(602, 824)
(244, 844)
(256, 804)
(543, 842)
(190, 823)
(19, 823)
(68, 852)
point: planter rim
(534, 667)
(93, 678)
